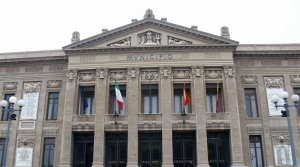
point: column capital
(229, 71)
(101, 73)
(71, 75)
(133, 72)
(165, 72)
(197, 71)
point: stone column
(198, 101)
(132, 100)
(100, 103)
(166, 110)
(233, 110)
(66, 156)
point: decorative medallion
(149, 38)
(149, 75)
(71, 75)
(165, 72)
(123, 42)
(274, 82)
(32, 87)
(280, 139)
(177, 41)
(86, 76)
(102, 73)
(197, 71)
(249, 79)
(295, 79)
(229, 71)
(24, 142)
(117, 75)
(10, 85)
(213, 74)
(181, 74)
(133, 72)
(54, 83)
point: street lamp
(11, 116)
(295, 98)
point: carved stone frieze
(213, 74)
(117, 75)
(280, 139)
(102, 73)
(149, 38)
(249, 79)
(123, 42)
(149, 75)
(71, 75)
(133, 72)
(181, 74)
(54, 83)
(295, 79)
(10, 85)
(165, 72)
(197, 71)
(25, 142)
(86, 76)
(177, 41)
(33, 87)
(273, 82)
(229, 71)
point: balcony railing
(217, 116)
(149, 117)
(189, 117)
(83, 118)
(109, 118)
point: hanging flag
(186, 98)
(118, 95)
(217, 98)
(84, 101)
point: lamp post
(295, 98)
(11, 116)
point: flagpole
(150, 95)
(116, 113)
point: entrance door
(116, 150)
(218, 149)
(150, 147)
(83, 150)
(184, 149)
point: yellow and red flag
(217, 98)
(186, 98)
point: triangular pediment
(149, 32)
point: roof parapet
(104, 30)
(194, 27)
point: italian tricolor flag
(118, 95)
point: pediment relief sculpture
(282, 139)
(149, 75)
(197, 71)
(213, 74)
(32, 87)
(181, 74)
(102, 73)
(133, 72)
(274, 82)
(149, 38)
(249, 79)
(24, 142)
(295, 79)
(123, 42)
(10, 85)
(117, 75)
(54, 83)
(71, 75)
(229, 71)
(177, 41)
(165, 72)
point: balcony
(83, 122)
(120, 119)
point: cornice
(35, 60)
(157, 48)
(261, 54)
(94, 40)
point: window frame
(145, 90)
(255, 147)
(211, 88)
(87, 93)
(48, 103)
(178, 89)
(2, 142)
(256, 101)
(49, 150)
(113, 101)
(8, 104)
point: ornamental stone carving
(86, 77)
(54, 83)
(133, 72)
(229, 71)
(124, 42)
(274, 82)
(71, 75)
(177, 41)
(10, 85)
(197, 71)
(149, 14)
(102, 73)
(149, 75)
(249, 79)
(282, 139)
(149, 39)
(213, 74)
(165, 72)
(181, 74)
(295, 79)
(117, 75)
(32, 87)
(25, 142)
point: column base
(65, 165)
(132, 165)
(98, 165)
(238, 166)
(167, 164)
(203, 165)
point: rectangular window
(53, 99)
(178, 98)
(49, 148)
(251, 103)
(256, 154)
(89, 93)
(113, 104)
(297, 92)
(150, 99)
(5, 114)
(211, 98)
(2, 146)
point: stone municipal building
(151, 59)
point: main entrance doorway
(116, 150)
(150, 154)
(83, 150)
(218, 149)
(184, 149)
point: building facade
(72, 118)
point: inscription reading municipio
(151, 56)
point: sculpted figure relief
(229, 71)
(197, 71)
(150, 41)
(165, 72)
(71, 75)
(174, 41)
(133, 72)
(102, 74)
(123, 43)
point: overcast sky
(30, 25)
